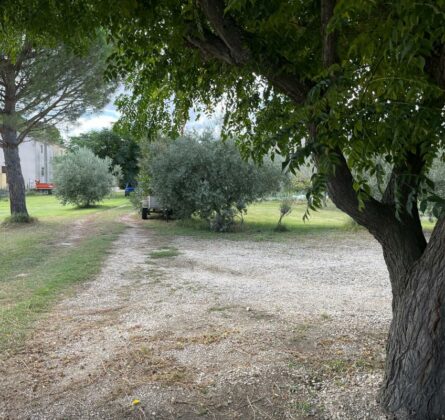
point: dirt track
(224, 329)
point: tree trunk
(414, 385)
(14, 176)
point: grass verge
(166, 252)
(37, 269)
(47, 206)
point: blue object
(128, 189)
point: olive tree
(207, 178)
(82, 178)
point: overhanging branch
(226, 29)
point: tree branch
(212, 47)
(329, 38)
(226, 29)
(230, 45)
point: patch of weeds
(325, 317)
(142, 366)
(337, 365)
(202, 411)
(303, 407)
(175, 375)
(300, 332)
(292, 364)
(165, 252)
(145, 351)
(370, 364)
(260, 315)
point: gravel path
(213, 329)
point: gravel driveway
(180, 327)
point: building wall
(36, 161)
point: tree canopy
(123, 150)
(369, 76)
(206, 177)
(43, 86)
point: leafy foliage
(381, 98)
(51, 85)
(82, 178)
(208, 178)
(122, 150)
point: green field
(260, 222)
(40, 262)
(47, 206)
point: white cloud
(90, 123)
(110, 114)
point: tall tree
(123, 150)
(344, 83)
(342, 89)
(40, 87)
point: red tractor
(44, 187)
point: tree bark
(414, 385)
(14, 175)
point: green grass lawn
(36, 270)
(261, 220)
(265, 215)
(47, 206)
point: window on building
(3, 169)
(42, 172)
(41, 148)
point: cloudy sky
(109, 115)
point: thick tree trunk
(14, 176)
(414, 385)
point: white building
(36, 161)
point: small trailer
(44, 187)
(150, 205)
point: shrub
(207, 178)
(285, 210)
(82, 178)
